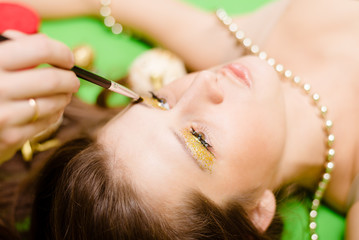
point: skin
(51, 87)
(214, 102)
(352, 222)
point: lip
(240, 72)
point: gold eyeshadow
(203, 156)
(153, 102)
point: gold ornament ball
(84, 56)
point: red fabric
(18, 17)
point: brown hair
(77, 199)
(18, 177)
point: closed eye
(201, 138)
(162, 103)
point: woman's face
(223, 134)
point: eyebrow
(186, 149)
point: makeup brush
(100, 81)
(103, 82)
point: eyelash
(161, 101)
(199, 136)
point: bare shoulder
(352, 231)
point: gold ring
(33, 104)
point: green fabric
(114, 54)
(295, 214)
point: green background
(113, 56)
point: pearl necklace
(109, 20)
(288, 76)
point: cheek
(256, 145)
(265, 135)
(269, 125)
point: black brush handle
(2, 38)
(91, 77)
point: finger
(37, 82)
(33, 50)
(15, 137)
(13, 34)
(18, 113)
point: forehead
(142, 144)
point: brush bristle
(140, 99)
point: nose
(205, 89)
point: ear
(262, 215)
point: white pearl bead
(227, 20)
(331, 139)
(105, 2)
(254, 49)
(306, 87)
(288, 73)
(279, 68)
(313, 213)
(262, 55)
(117, 28)
(326, 176)
(314, 236)
(324, 110)
(109, 21)
(319, 194)
(296, 80)
(328, 124)
(330, 165)
(316, 202)
(221, 14)
(240, 35)
(313, 225)
(247, 42)
(271, 61)
(316, 96)
(331, 152)
(105, 11)
(233, 27)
